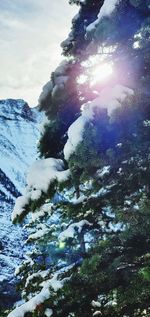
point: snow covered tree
(87, 199)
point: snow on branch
(109, 98)
(44, 230)
(40, 298)
(41, 174)
(75, 136)
(73, 229)
(106, 10)
(42, 274)
(57, 83)
(48, 287)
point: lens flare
(101, 73)
(61, 245)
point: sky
(30, 35)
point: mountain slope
(19, 132)
(18, 135)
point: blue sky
(30, 35)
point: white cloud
(30, 35)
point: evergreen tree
(89, 197)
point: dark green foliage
(118, 267)
(77, 43)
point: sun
(96, 74)
(101, 73)
(97, 69)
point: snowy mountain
(19, 131)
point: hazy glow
(101, 73)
